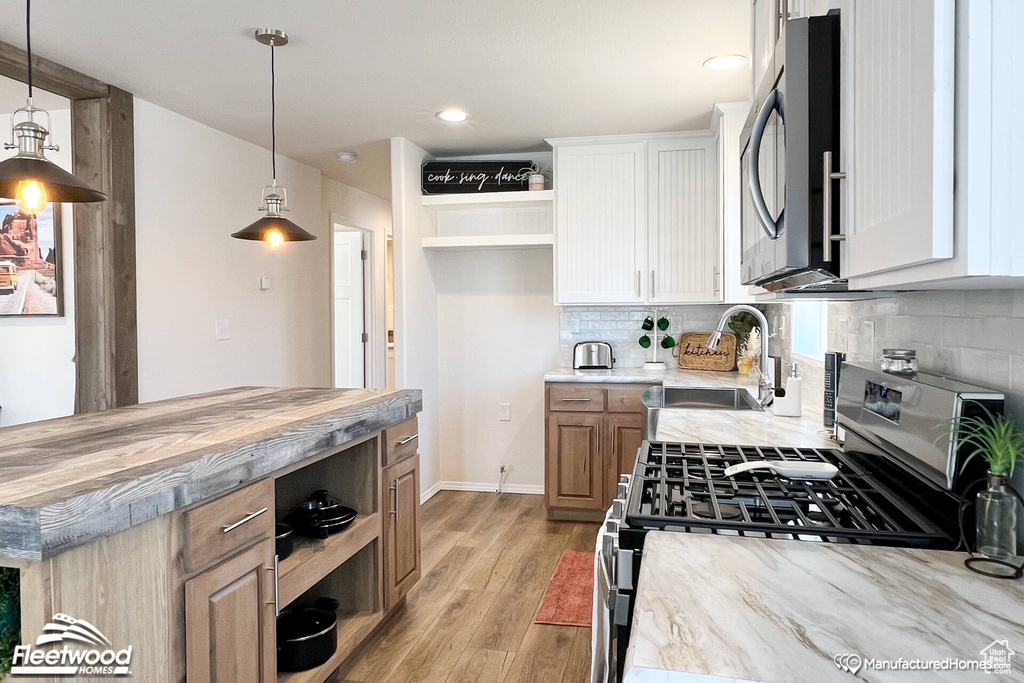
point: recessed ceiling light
(348, 157)
(452, 115)
(725, 62)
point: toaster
(592, 355)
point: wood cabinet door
(897, 134)
(230, 620)
(600, 223)
(625, 433)
(401, 529)
(683, 256)
(575, 472)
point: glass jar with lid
(899, 361)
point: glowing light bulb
(30, 196)
(274, 239)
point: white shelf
(488, 200)
(476, 242)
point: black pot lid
(304, 623)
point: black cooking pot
(321, 516)
(306, 636)
(284, 540)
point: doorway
(349, 306)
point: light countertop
(714, 608)
(715, 426)
(74, 479)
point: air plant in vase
(998, 440)
(537, 176)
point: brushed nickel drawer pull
(394, 508)
(247, 518)
(576, 399)
(277, 586)
(405, 441)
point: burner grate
(683, 485)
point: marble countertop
(714, 426)
(74, 479)
(714, 608)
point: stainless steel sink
(657, 399)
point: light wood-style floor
(487, 559)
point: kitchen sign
(451, 177)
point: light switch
(264, 282)
(222, 329)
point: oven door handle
(772, 227)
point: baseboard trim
(429, 493)
(536, 489)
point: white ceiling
(359, 72)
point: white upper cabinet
(682, 238)
(903, 210)
(636, 220)
(897, 133)
(600, 223)
(765, 18)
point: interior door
(898, 59)
(349, 316)
(682, 241)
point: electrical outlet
(574, 325)
(505, 412)
(869, 332)
(222, 329)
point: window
(810, 329)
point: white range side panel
(900, 173)
(683, 249)
(600, 209)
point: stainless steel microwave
(790, 143)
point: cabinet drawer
(575, 398)
(216, 528)
(401, 441)
(626, 399)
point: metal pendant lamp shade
(29, 177)
(273, 228)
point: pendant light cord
(273, 116)
(28, 43)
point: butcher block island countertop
(72, 480)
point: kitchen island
(712, 608)
(155, 523)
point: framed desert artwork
(30, 262)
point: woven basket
(693, 354)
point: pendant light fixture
(29, 177)
(273, 228)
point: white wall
(498, 335)
(194, 187)
(416, 321)
(357, 209)
(37, 373)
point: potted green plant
(998, 440)
(537, 176)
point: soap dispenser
(791, 405)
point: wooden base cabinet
(593, 433)
(402, 562)
(231, 620)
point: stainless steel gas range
(897, 481)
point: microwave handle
(771, 227)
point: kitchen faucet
(765, 389)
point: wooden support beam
(105, 284)
(47, 75)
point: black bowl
(284, 538)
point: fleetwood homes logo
(98, 657)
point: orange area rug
(569, 597)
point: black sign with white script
(453, 177)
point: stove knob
(623, 491)
(617, 507)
